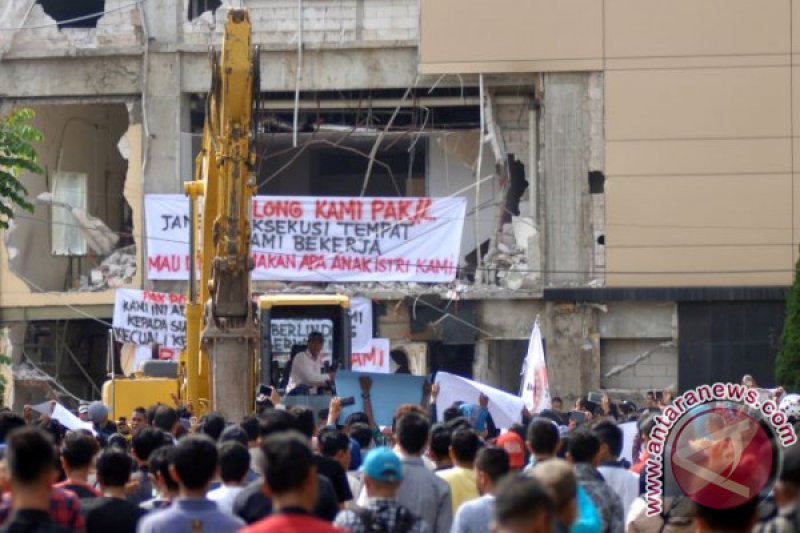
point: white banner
(535, 387)
(375, 360)
(167, 224)
(505, 408)
(329, 239)
(629, 431)
(361, 324)
(146, 317)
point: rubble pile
(116, 270)
(507, 262)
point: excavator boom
(221, 357)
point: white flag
(535, 390)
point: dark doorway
(723, 341)
(454, 358)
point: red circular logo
(722, 457)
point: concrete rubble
(117, 269)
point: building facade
(633, 185)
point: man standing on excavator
(306, 375)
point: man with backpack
(383, 474)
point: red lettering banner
(329, 239)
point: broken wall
(77, 138)
(275, 22)
(119, 27)
(14, 292)
(451, 159)
(638, 364)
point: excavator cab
(285, 320)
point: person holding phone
(307, 376)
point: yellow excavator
(229, 336)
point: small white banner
(147, 317)
(167, 224)
(361, 324)
(328, 239)
(375, 360)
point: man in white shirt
(234, 463)
(307, 375)
(624, 482)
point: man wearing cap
(307, 376)
(514, 446)
(83, 411)
(383, 473)
(98, 416)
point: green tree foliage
(17, 154)
(787, 364)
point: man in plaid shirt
(383, 473)
(65, 509)
(37, 506)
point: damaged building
(632, 190)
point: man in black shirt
(112, 512)
(326, 466)
(145, 441)
(31, 463)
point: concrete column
(162, 111)
(565, 203)
(573, 350)
(481, 364)
(164, 21)
(163, 103)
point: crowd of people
(289, 469)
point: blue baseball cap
(382, 464)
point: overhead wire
(47, 377)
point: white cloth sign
(167, 224)
(329, 239)
(62, 415)
(376, 359)
(505, 408)
(535, 388)
(629, 430)
(146, 317)
(361, 324)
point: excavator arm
(219, 362)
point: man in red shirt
(290, 476)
